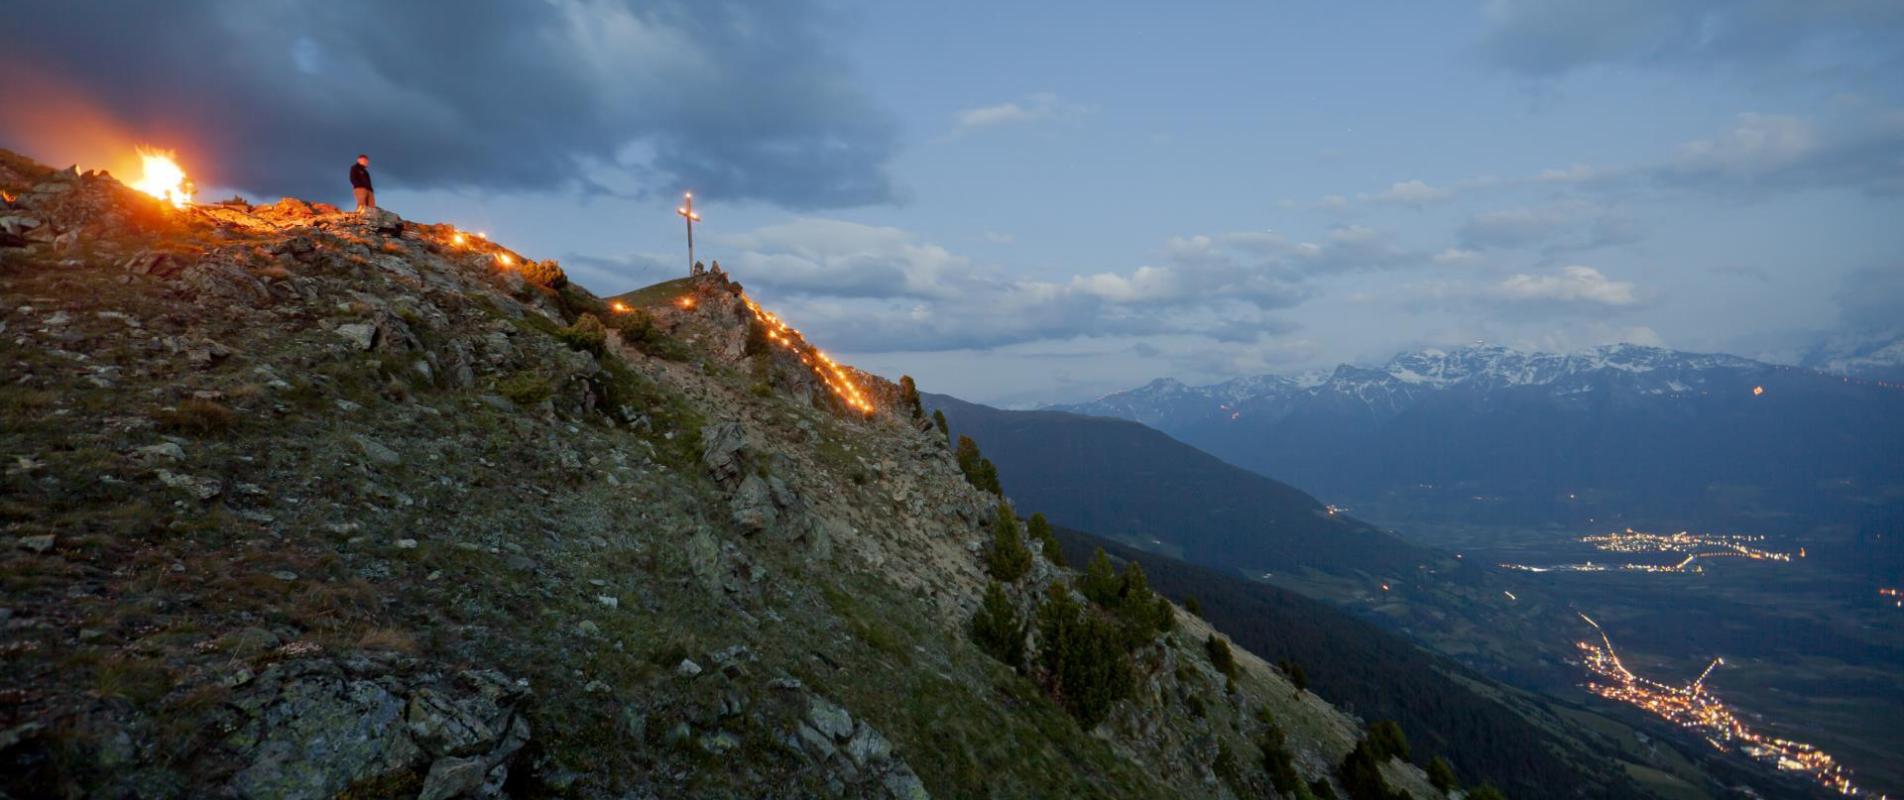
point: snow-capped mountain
(1539, 436)
(1167, 403)
(1871, 355)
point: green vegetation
(588, 334)
(938, 421)
(1485, 792)
(978, 470)
(547, 274)
(1220, 655)
(198, 417)
(1386, 739)
(1007, 559)
(909, 397)
(638, 331)
(1361, 775)
(1441, 775)
(525, 389)
(1141, 613)
(997, 628)
(1038, 529)
(1086, 667)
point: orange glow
(685, 302)
(459, 240)
(482, 235)
(829, 372)
(504, 259)
(619, 307)
(1758, 390)
(163, 178)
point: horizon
(1043, 206)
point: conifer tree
(909, 397)
(997, 628)
(1008, 559)
(1099, 584)
(1220, 655)
(1038, 529)
(938, 420)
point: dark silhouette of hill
(1135, 484)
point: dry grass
(395, 640)
(197, 417)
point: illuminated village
(1693, 708)
(1694, 546)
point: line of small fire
(1694, 708)
(830, 372)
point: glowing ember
(1758, 390)
(685, 302)
(619, 307)
(832, 374)
(164, 178)
(459, 240)
(504, 259)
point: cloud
(1039, 107)
(1413, 193)
(1865, 151)
(1510, 228)
(740, 100)
(1869, 298)
(866, 288)
(1573, 284)
(1545, 38)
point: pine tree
(997, 628)
(1086, 668)
(938, 420)
(1293, 671)
(1008, 559)
(1100, 582)
(909, 397)
(967, 455)
(1193, 605)
(1441, 775)
(988, 477)
(1038, 529)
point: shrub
(1038, 529)
(525, 389)
(1319, 789)
(1008, 559)
(1441, 775)
(1086, 670)
(1386, 740)
(1220, 655)
(1193, 605)
(1293, 671)
(1485, 792)
(588, 334)
(546, 273)
(997, 628)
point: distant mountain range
(1497, 435)
(1872, 355)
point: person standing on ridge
(360, 184)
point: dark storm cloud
(749, 100)
(1550, 37)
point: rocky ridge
(307, 504)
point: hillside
(306, 504)
(1525, 744)
(1134, 484)
(1476, 434)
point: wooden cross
(687, 212)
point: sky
(1026, 203)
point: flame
(685, 302)
(1758, 390)
(830, 372)
(504, 259)
(619, 307)
(164, 178)
(459, 239)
